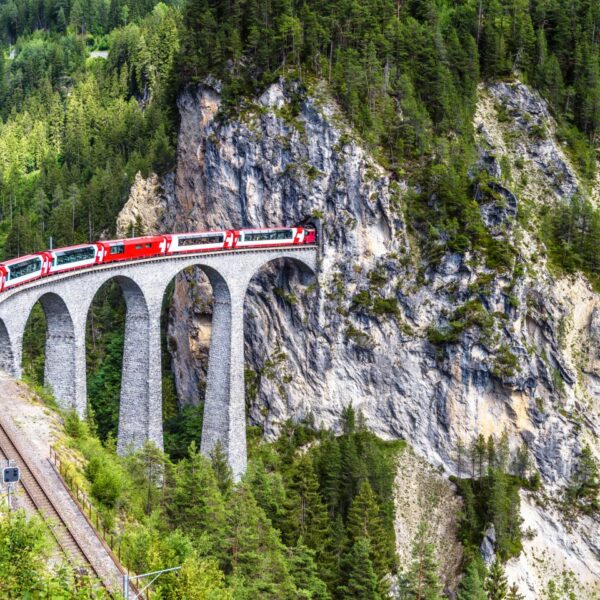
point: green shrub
(362, 300)
(74, 426)
(385, 306)
(505, 363)
(108, 484)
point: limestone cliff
(363, 335)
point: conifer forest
(90, 98)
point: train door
(230, 240)
(46, 263)
(165, 244)
(100, 253)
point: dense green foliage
(471, 586)
(313, 518)
(421, 59)
(25, 548)
(572, 235)
(74, 130)
(406, 74)
(95, 17)
(491, 496)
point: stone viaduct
(66, 299)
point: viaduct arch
(66, 299)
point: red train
(33, 266)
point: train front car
(135, 248)
(264, 238)
(2, 276)
(310, 236)
(75, 257)
(208, 241)
(25, 269)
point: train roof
(207, 232)
(136, 240)
(23, 258)
(267, 228)
(75, 247)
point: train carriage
(28, 268)
(25, 268)
(75, 257)
(274, 236)
(135, 248)
(200, 242)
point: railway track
(38, 499)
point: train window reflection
(199, 240)
(267, 236)
(71, 256)
(24, 268)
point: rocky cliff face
(525, 362)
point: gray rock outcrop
(488, 546)
(432, 353)
(288, 158)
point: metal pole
(126, 586)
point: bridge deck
(120, 265)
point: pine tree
(328, 464)
(491, 453)
(364, 521)
(586, 483)
(513, 593)
(471, 586)
(423, 576)
(306, 513)
(496, 585)
(305, 573)
(330, 559)
(504, 502)
(221, 468)
(78, 17)
(195, 503)
(361, 581)
(255, 554)
(148, 466)
(269, 491)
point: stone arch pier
(66, 299)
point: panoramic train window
(117, 249)
(267, 236)
(71, 256)
(201, 239)
(24, 268)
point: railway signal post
(11, 475)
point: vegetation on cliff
(312, 518)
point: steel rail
(44, 504)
